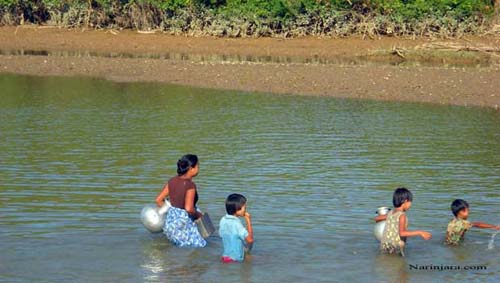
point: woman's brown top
(177, 188)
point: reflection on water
(81, 157)
(388, 268)
(377, 59)
(153, 266)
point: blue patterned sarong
(181, 230)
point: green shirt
(456, 231)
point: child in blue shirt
(234, 235)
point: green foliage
(164, 4)
(7, 3)
(410, 9)
(415, 9)
(281, 15)
(259, 8)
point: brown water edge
(471, 85)
(50, 38)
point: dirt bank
(467, 85)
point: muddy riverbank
(457, 72)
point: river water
(80, 157)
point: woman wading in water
(179, 227)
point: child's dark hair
(400, 196)
(235, 202)
(458, 205)
(186, 162)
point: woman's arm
(380, 218)
(485, 225)
(405, 233)
(160, 198)
(189, 203)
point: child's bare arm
(248, 220)
(405, 233)
(485, 225)
(380, 218)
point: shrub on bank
(239, 18)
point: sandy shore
(472, 86)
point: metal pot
(153, 217)
(378, 230)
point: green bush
(411, 9)
(7, 3)
(281, 16)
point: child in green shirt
(459, 224)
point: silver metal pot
(153, 217)
(378, 230)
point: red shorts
(226, 259)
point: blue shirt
(233, 235)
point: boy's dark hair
(234, 202)
(458, 205)
(400, 195)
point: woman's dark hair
(234, 202)
(458, 205)
(400, 196)
(186, 162)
